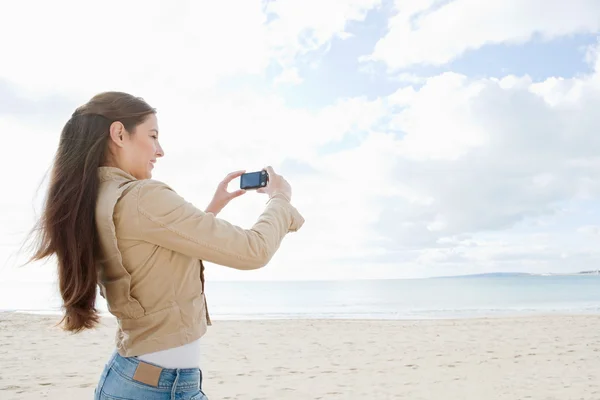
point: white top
(186, 356)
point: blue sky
(564, 57)
(340, 73)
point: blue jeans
(131, 379)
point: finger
(237, 193)
(270, 170)
(232, 175)
(260, 190)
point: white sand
(553, 357)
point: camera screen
(250, 180)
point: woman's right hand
(276, 185)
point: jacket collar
(114, 173)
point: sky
(421, 137)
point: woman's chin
(149, 171)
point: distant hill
(509, 274)
(488, 275)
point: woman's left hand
(222, 196)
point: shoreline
(249, 318)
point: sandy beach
(546, 357)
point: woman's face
(138, 152)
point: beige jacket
(153, 242)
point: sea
(429, 298)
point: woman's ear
(117, 132)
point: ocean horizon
(484, 295)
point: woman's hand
(277, 185)
(222, 196)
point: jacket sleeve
(168, 220)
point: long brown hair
(67, 227)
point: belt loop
(174, 388)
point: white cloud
(67, 47)
(589, 230)
(304, 26)
(435, 32)
(452, 132)
(288, 76)
(158, 47)
(488, 156)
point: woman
(110, 225)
